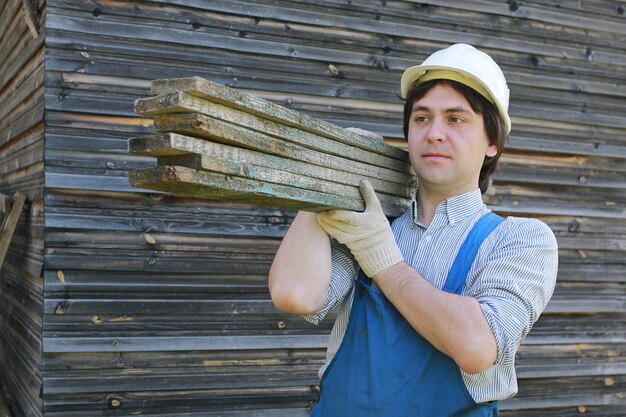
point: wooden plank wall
(21, 169)
(158, 305)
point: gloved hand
(367, 234)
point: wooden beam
(195, 183)
(31, 16)
(221, 94)
(200, 126)
(168, 110)
(9, 224)
(220, 143)
(343, 172)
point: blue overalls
(384, 368)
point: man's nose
(436, 131)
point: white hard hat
(467, 65)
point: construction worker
(431, 308)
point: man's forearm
(454, 324)
(301, 271)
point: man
(433, 307)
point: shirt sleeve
(344, 271)
(516, 282)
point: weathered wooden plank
(147, 344)
(560, 176)
(23, 88)
(76, 382)
(269, 401)
(19, 47)
(218, 93)
(9, 224)
(569, 411)
(535, 12)
(212, 40)
(264, 412)
(302, 14)
(151, 306)
(407, 30)
(578, 359)
(228, 225)
(567, 391)
(20, 124)
(189, 359)
(90, 182)
(200, 126)
(557, 329)
(180, 326)
(194, 183)
(581, 116)
(165, 110)
(31, 17)
(156, 240)
(21, 158)
(22, 369)
(172, 144)
(235, 261)
(157, 263)
(9, 11)
(28, 290)
(520, 199)
(258, 170)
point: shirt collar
(454, 208)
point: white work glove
(367, 234)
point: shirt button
(362, 291)
(428, 238)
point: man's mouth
(435, 155)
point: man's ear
(492, 151)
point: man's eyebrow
(420, 108)
(458, 109)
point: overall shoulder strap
(467, 253)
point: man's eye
(421, 119)
(455, 119)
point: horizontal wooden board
(194, 183)
(203, 127)
(196, 343)
(172, 144)
(221, 94)
(165, 110)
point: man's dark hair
(494, 125)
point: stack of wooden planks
(219, 143)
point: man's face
(447, 142)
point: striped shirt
(512, 278)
